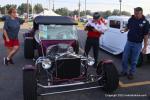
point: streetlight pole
(53, 6)
(79, 10)
(27, 8)
(5, 10)
(120, 5)
(85, 7)
(31, 7)
(49, 4)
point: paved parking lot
(11, 80)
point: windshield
(57, 32)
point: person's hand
(94, 30)
(26, 19)
(89, 28)
(144, 50)
(122, 31)
(7, 40)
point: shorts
(11, 43)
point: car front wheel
(110, 78)
(29, 85)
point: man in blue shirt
(138, 28)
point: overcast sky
(93, 5)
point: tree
(62, 11)
(9, 6)
(0, 9)
(116, 12)
(82, 13)
(38, 8)
(126, 13)
(75, 12)
(88, 12)
(23, 8)
(107, 13)
(4, 9)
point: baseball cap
(96, 15)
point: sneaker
(11, 61)
(130, 76)
(6, 61)
(123, 74)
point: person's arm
(144, 50)
(6, 35)
(101, 28)
(85, 26)
(146, 31)
(26, 19)
(145, 41)
(96, 30)
(88, 26)
(126, 28)
(3, 18)
(21, 21)
(5, 31)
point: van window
(125, 24)
(115, 24)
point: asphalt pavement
(11, 79)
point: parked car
(84, 19)
(113, 41)
(50, 30)
(61, 70)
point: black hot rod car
(59, 68)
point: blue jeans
(131, 51)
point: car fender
(28, 68)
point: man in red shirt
(95, 30)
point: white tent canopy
(47, 13)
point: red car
(47, 31)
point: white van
(113, 41)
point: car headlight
(46, 64)
(91, 61)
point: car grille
(68, 68)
